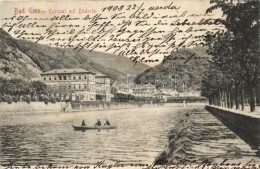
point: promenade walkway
(246, 111)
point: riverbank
(245, 124)
(41, 107)
(199, 136)
(20, 107)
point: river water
(140, 136)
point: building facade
(103, 88)
(145, 90)
(71, 84)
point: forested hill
(26, 59)
(190, 73)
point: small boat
(93, 127)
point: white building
(103, 88)
(73, 84)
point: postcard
(129, 84)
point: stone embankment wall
(37, 107)
(200, 136)
(69, 107)
(31, 107)
(245, 125)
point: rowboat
(93, 127)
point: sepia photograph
(166, 84)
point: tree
(236, 53)
(39, 87)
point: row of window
(135, 93)
(78, 87)
(103, 88)
(68, 77)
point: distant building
(170, 92)
(103, 89)
(73, 84)
(162, 96)
(146, 90)
(142, 90)
(190, 93)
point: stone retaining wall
(245, 126)
(31, 107)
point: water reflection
(49, 138)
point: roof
(65, 71)
(100, 75)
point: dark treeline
(232, 79)
(187, 99)
(19, 90)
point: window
(44, 78)
(74, 87)
(79, 77)
(85, 86)
(60, 77)
(64, 77)
(69, 77)
(79, 86)
(74, 77)
(85, 77)
(55, 78)
(49, 77)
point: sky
(191, 7)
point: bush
(57, 99)
(45, 99)
(34, 98)
(15, 99)
(7, 98)
(52, 99)
(26, 99)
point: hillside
(26, 59)
(13, 62)
(190, 73)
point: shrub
(34, 98)
(26, 99)
(52, 99)
(45, 99)
(15, 99)
(7, 98)
(57, 99)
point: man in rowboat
(83, 123)
(98, 123)
(107, 123)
